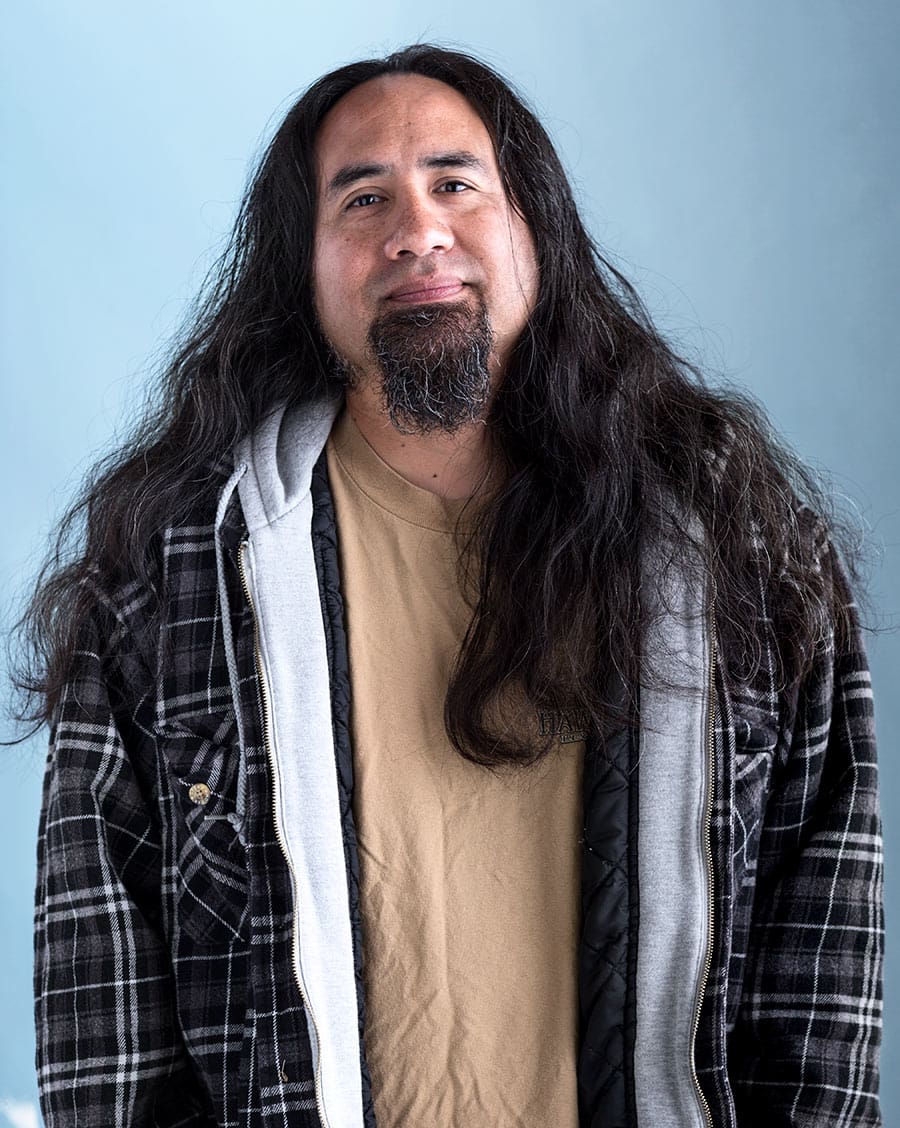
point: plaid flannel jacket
(163, 936)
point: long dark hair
(606, 436)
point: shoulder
(131, 608)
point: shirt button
(199, 793)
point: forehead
(397, 116)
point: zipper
(707, 848)
(265, 713)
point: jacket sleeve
(805, 1047)
(108, 1046)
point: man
(459, 715)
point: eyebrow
(349, 174)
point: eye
(362, 200)
(453, 186)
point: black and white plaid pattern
(164, 989)
(792, 1018)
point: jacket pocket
(202, 826)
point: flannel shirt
(163, 984)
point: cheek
(332, 284)
(319, 279)
(513, 260)
(524, 255)
(335, 264)
(519, 281)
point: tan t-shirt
(470, 884)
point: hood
(279, 457)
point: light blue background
(740, 163)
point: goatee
(434, 365)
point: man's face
(418, 253)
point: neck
(452, 466)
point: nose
(418, 228)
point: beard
(433, 362)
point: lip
(432, 290)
